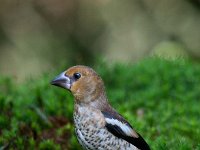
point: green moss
(49, 145)
(160, 99)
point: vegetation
(160, 99)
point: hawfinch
(97, 125)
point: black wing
(122, 129)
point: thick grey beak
(62, 81)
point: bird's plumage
(97, 124)
(122, 129)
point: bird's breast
(87, 117)
(89, 127)
(92, 134)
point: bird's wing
(120, 128)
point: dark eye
(77, 75)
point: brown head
(83, 82)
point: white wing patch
(124, 127)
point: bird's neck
(99, 102)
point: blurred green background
(36, 36)
(147, 52)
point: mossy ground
(160, 98)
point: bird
(98, 126)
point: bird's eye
(77, 75)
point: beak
(62, 81)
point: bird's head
(83, 82)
